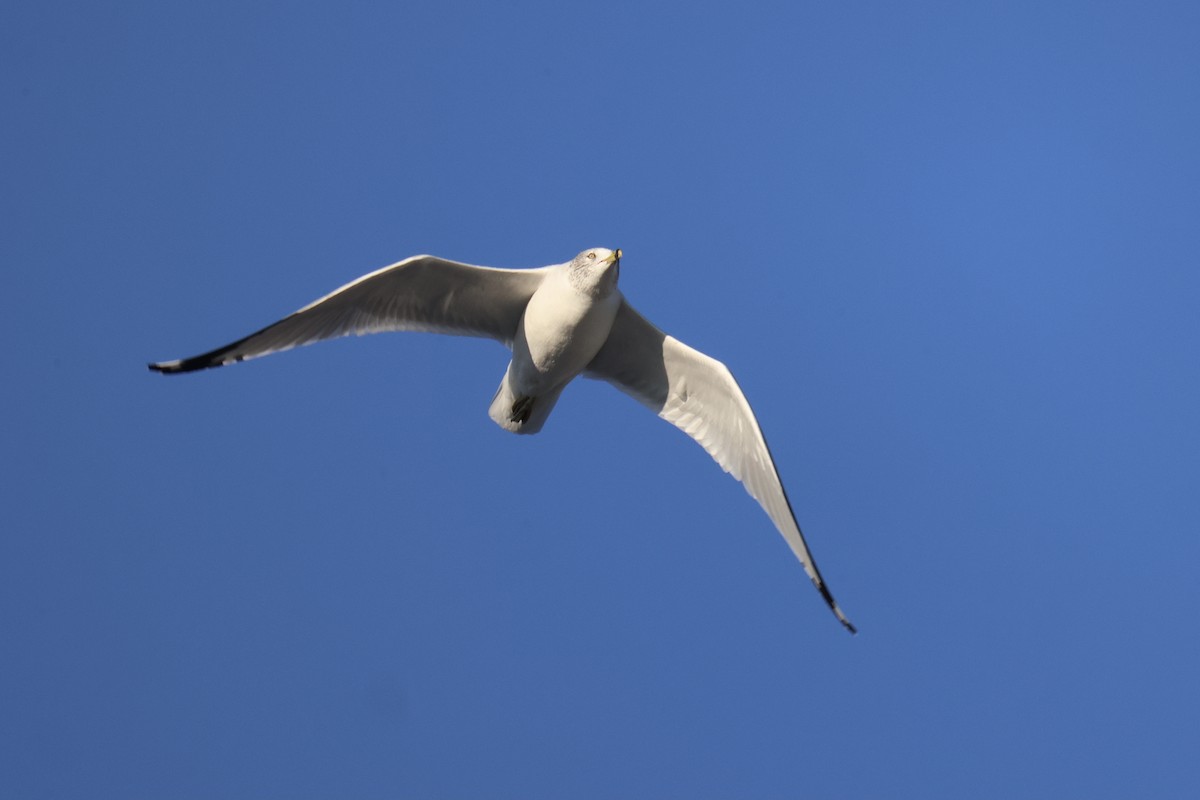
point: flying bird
(559, 321)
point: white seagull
(559, 321)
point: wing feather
(422, 293)
(699, 396)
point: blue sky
(949, 250)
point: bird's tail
(521, 414)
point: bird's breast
(560, 333)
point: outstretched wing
(422, 293)
(698, 395)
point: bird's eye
(592, 256)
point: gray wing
(422, 293)
(698, 395)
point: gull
(559, 321)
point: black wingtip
(833, 606)
(170, 367)
(217, 358)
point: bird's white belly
(560, 333)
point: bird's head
(596, 270)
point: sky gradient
(948, 249)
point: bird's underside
(599, 335)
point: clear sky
(950, 250)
